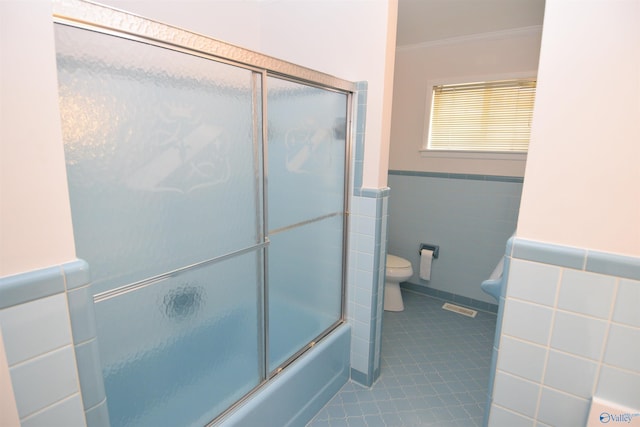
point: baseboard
(451, 297)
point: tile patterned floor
(435, 370)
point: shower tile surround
(584, 341)
(365, 284)
(368, 219)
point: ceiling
(421, 21)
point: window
(490, 117)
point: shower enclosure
(208, 195)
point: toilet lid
(397, 262)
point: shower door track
(92, 16)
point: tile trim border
(76, 274)
(30, 286)
(613, 265)
(36, 284)
(577, 258)
(358, 134)
(373, 193)
(360, 378)
(473, 177)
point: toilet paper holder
(434, 248)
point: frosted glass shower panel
(163, 155)
(182, 349)
(306, 144)
(305, 285)
(306, 170)
(169, 178)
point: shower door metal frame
(102, 19)
(345, 212)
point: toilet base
(393, 297)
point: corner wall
(570, 329)
(581, 183)
(368, 218)
(35, 216)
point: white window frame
(454, 154)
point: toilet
(398, 270)
(494, 284)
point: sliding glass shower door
(208, 198)
(164, 162)
(306, 195)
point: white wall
(350, 39)
(582, 181)
(35, 218)
(467, 58)
(231, 21)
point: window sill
(476, 155)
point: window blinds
(486, 116)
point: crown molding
(493, 35)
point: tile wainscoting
(48, 326)
(568, 330)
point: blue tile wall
(360, 120)
(571, 374)
(470, 217)
(368, 218)
(515, 393)
(68, 412)
(22, 288)
(570, 331)
(503, 417)
(561, 409)
(83, 328)
(626, 308)
(41, 381)
(35, 328)
(522, 358)
(365, 284)
(47, 320)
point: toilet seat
(398, 268)
(397, 262)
